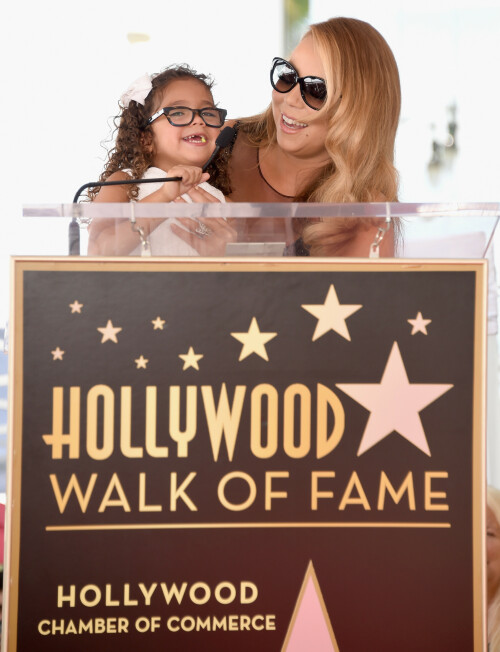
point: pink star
(394, 404)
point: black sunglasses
(181, 116)
(284, 77)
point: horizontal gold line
(221, 526)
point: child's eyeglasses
(181, 116)
(284, 77)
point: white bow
(137, 91)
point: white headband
(137, 91)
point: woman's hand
(209, 236)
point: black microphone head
(223, 140)
(225, 137)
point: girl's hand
(209, 236)
(191, 177)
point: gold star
(76, 306)
(141, 362)
(57, 354)
(158, 323)
(331, 315)
(190, 359)
(109, 332)
(253, 341)
(419, 324)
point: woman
(493, 567)
(328, 136)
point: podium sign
(246, 454)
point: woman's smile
(289, 125)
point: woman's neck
(286, 173)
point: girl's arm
(108, 237)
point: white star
(394, 404)
(419, 324)
(331, 315)
(158, 323)
(109, 332)
(253, 341)
(190, 359)
(76, 306)
(141, 362)
(57, 354)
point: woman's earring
(381, 231)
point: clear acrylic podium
(424, 230)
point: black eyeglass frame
(164, 111)
(301, 81)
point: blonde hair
(362, 108)
(493, 500)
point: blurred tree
(295, 23)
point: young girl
(168, 128)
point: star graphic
(394, 404)
(109, 332)
(419, 324)
(141, 362)
(76, 306)
(331, 315)
(57, 354)
(190, 359)
(158, 323)
(253, 341)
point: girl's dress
(162, 240)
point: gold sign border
(19, 265)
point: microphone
(223, 140)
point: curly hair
(133, 148)
(362, 110)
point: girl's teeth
(197, 138)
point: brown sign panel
(222, 455)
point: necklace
(267, 182)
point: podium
(251, 450)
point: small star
(394, 404)
(57, 354)
(419, 324)
(253, 341)
(158, 323)
(141, 362)
(76, 306)
(109, 332)
(331, 315)
(190, 359)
